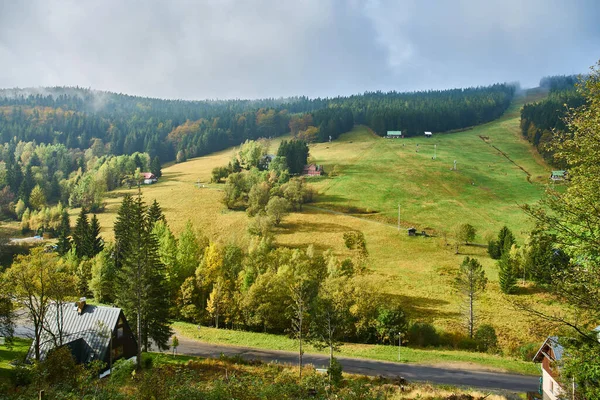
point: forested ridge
(73, 116)
(540, 120)
(73, 144)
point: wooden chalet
(548, 355)
(90, 332)
(312, 170)
(149, 178)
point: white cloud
(271, 48)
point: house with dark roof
(90, 332)
(549, 355)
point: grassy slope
(487, 189)
(460, 359)
(376, 174)
(18, 351)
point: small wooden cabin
(394, 135)
(312, 170)
(428, 134)
(149, 178)
(90, 332)
(412, 231)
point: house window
(551, 386)
(119, 332)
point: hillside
(376, 174)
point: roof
(428, 133)
(394, 133)
(559, 172)
(82, 333)
(148, 175)
(552, 343)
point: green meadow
(497, 172)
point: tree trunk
(300, 337)
(471, 322)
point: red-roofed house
(312, 170)
(149, 178)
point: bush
(147, 361)
(494, 249)
(21, 374)
(422, 334)
(59, 367)
(467, 344)
(122, 370)
(486, 338)
(335, 372)
(528, 351)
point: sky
(209, 49)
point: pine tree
(155, 167)
(470, 281)
(155, 213)
(64, 231)
(26, 186)
(141, 285)
(122, 229)
(507, 273)
(96, 242)
(81, 236)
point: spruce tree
(26, 186)
(122, 229)
(155, 167)
(507, 273)
(81, 236)
(96, 242)
(64, 231)
(155, 213)
(141, 284)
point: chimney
(81, 305)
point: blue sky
(272, 48)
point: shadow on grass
(529, 290)
(313, 227)
(423, 308)
(330, 198)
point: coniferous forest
(72, 145)
(540, 120)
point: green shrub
(528, 351)
(467, 344)
(335, 372)
(122, 370)
(21, 374)
(147, 361)
(486, 338)
(422, 334)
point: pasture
(497, 172)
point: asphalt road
(410, 372)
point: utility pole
(398, 217)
